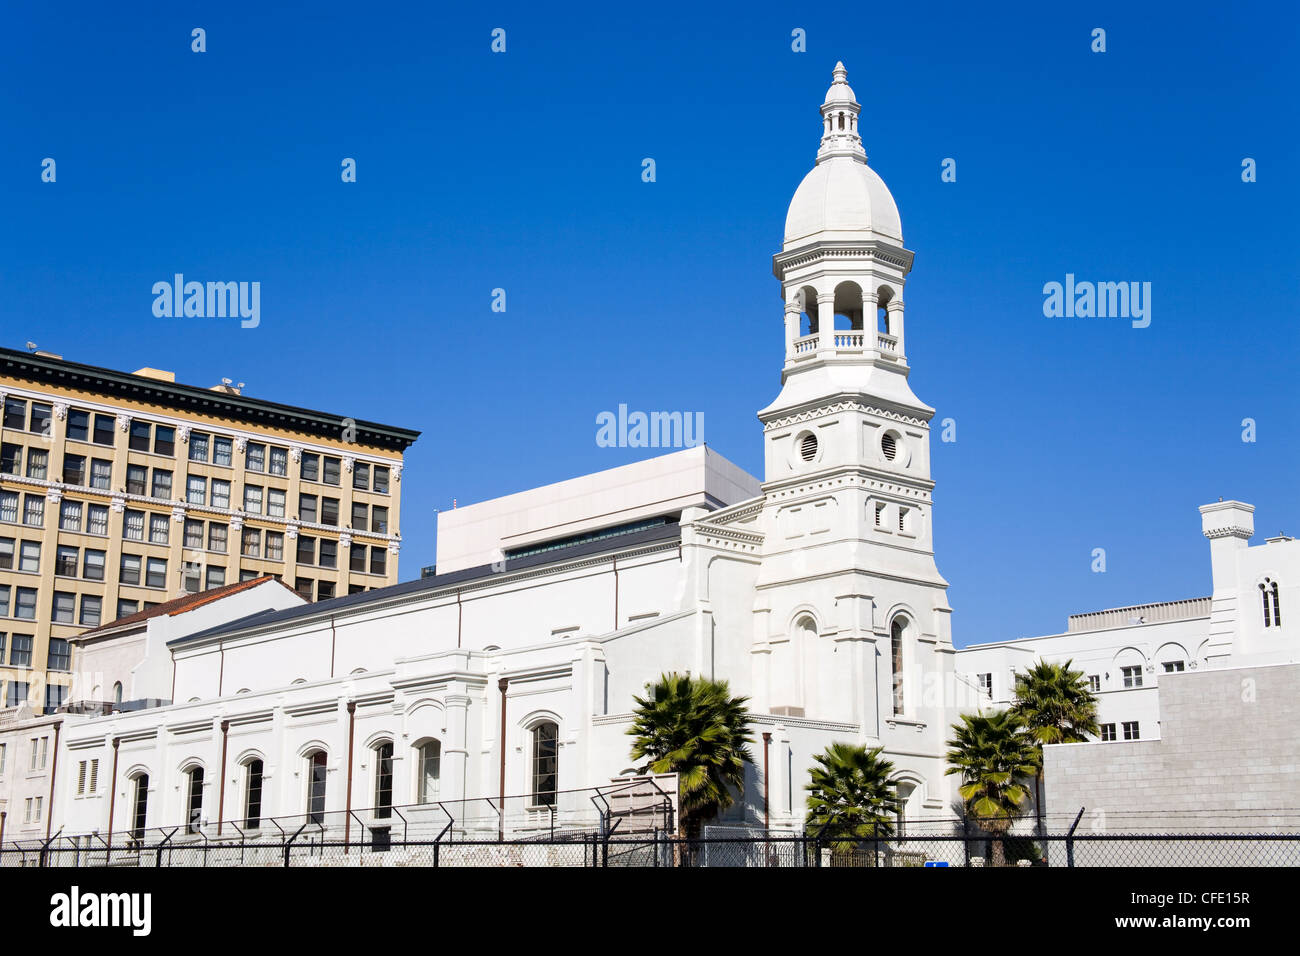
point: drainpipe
(767, 742)
(221, 671)
(616, 592)
(221, 797)
(54, 772)
(3, 814)
(112, 796)
(333, 641)
(460, 618)
(174, 671)
(502, 684)
(347, 817)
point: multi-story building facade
(119, 491)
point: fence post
(288, 843)
(163, 845)
(45, 849)
(965, 838)
(1069, 840)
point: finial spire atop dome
(840, 113)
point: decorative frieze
(843, 407)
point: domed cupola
(842, 197)
(842, 269)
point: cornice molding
(895, 256)
(187, 426)
(849, 405)
(1235, 531)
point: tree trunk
(999, 850)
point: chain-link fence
(667, 849)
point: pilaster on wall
(455, 758)
(761, 653)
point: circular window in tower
(808, 446)
(892, 447)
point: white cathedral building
(511, 671)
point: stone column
(792, 313)
(826, 321)
(895, 310)
(870, 321)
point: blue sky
(522, 171)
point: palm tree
(849, 795)
(993, 754)
(1057, 707)
(694, 728)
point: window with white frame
(896, 632)
(546, 763)
(316, 763)
(253, 794)
(384, 780)
(429, 770)
(1272, 603)
(1132, 675)
(194, 800)
(139, 805)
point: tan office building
(119, 491)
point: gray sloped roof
(438, 582)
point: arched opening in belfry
(808, 313)
(848, 306)
(884, 295)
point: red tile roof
(180, 605)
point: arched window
(884, 294)
(316, 786)
(848, 306)
(117, 693)
(194, 800)
(253, 794)
(903, 791)
(546, 763)
(429, 755)
(139, 805)
(384, 780)
(1272, 606)
(896, 662)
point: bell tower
(851, 618)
